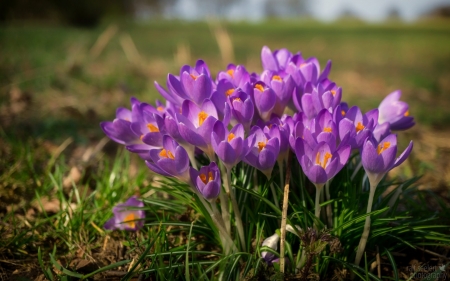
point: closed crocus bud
(127, 216)
(207, 181)
(271, 242)
(395, 112)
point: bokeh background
(65, 66)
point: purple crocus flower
(322, 161)
(240, 109)
(195, 124)
(194, 83)
(146, 123)
(378, 158)
(236, 75)
(283, 88)
(263, 151)
(119, 130)
(357, 125)
(265, 99)
(276, 61)
(395, 112)
(231, 146)
(220, 96)
(126, 216)
(207, 180)
(172, 160)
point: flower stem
(365, 235)
(328, 208)
(215, 216)
(284, 213)
(317, 203)
(237, 212)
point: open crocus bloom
(172, 160)
(378, 158)
(321, 162)
(126, 216)
(263, 151)
(207, 180)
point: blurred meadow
(57, 83)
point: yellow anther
(406, 113)
(261, 145)
(229, 92)
(383, 146)
(333, 92)
(130, 219)
(205, 179)
(152, 128)
(230, 72)
(359, 127)
(259, 87)
(327, 129)
(193, 76)
(166, 154)
(277, 77)
(160, 108)
(236, 99)
(230, 137)
(202, 117)
(343, 112)
(326, 157)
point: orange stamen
(152, 128)
(211, 176)
(359, 127)
(382, 147)
(166, 154)
(160, 108)
(229, 92)
(203, 178)
(193, 76)
(277, 77)
(261, 145)
(130, 220)
(327, 130)
(326, 157)
(259, 87)
(333, 92)
(141, 137)
(343, 112)
(202, 117)
(236, 99)
(230, 137)
(230, 72)
(406, 113)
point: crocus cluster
(241, 116)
